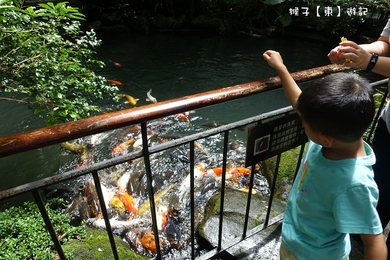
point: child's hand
(274, 59)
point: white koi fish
(138, 142)
(150, 97)
(115, 223)
(199, 174)
(123, 181)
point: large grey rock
(234, 216)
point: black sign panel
(273, 136)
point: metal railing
(142, 115)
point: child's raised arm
(290, 87)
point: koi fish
(135, 129)
(130, 99)
(128, 201)
(139, 141)
(115, 223)
(150, 97)
(247, 190)
(236, 171)
(157, 198)
(182, 117)
(116, 63)
(199, 174)
(116, 203)
(94, 208)
(187, 113)
(162, 220)
(344, 39)
(79, 149)
(123, 181)
(239, 171)
(86, 158)
(148, 241)
(120, 148)
(201, 148)
(115, 82)
(98, 138)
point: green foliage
(96, 246)
(378, 97)
(23, 234)
(47, 61)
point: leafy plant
(47, 61)
(23, 234)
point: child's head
(339, 105)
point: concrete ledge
(265, 245)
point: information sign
(273, 136)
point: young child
(334, 193)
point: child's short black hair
(340, 105)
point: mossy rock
(286, 172)
(234, 215)
(96, 246)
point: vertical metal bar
(145, 148)
(49, 225)
(105, 214)
(248, 203)
(222, 198)
(192, 196)
(271, 197)
(299, 160)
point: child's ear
(326, 140)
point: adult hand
(358, 57)
(334, 56)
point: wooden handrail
(46, 136)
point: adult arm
(360, 55)
(291, 89)
(374, 247)
(380, 47)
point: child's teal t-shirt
(329, 200)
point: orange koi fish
(148, 242)
(115, 82)
(130, 99)
(162, 220)
(116, 63)
(236, 171)
(120, 148)
(239, 171)
(217, 171)
(128, 201)
(182, 117)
